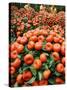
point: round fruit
(56, 56)
(63, 50)
(12, 47)
(13, 54)
(19, 79)
(49, 38)
(30, 45)
(56, 47)
(16, 63)
(41, 38)
(43, 82)
(27, 75)
(60, 67)
(38, 45)
(20, 48)
(37, 64)
(46, 74)
(35, 83)
(59, 80)
(12, 70)
(33, 38)
(48, 46)
(24, 40)
(28, 59)
(43, 57)
(56, 39)
(63, 60)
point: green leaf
(57, 74)
(44, 42)
(16, 84)
(31, 80)
(45, 66)
(34, 72)
(25, 19)
(26, 51)
(57, 62)
(46, 53)
(51, 81)
(36, 53)
(40, 75)
(50, 61)
(32, 27)
(20, 70)
(20, 56)
(25, 68)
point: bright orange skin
(45, 33)
(19, 79)
(16, 63)
(22, 40)
(28, 59)
(12, 70)
(18, 33)
(37, 64)
(63, 50)
(63, 60)
(41, 38)
(60, 67)
(19, 39)
(59, 80)
(30, 45)
(29, 35)
(56, 56)
(56, 47)
(16, 44)
(38, 45)
(46, 74)
(33, 38)
(48, 46)
(61, 39)
(56, 39)
(13, 54)
(49, 38)
(22, 26)
(43, 82)
(27, 75)
(35, 83)
(43, 58)
(36, 32)
(20, 48)
(12, 47)
(52, 33)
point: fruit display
(36, 45)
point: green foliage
(31, 80)
(44, 66)
(34, 72)
(16, 85)
(57, 74)
(25, 19)
(26, 51)
(36, 53)
(51, 81)
(40, 76)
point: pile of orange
(37, 46)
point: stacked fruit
(37, 47)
